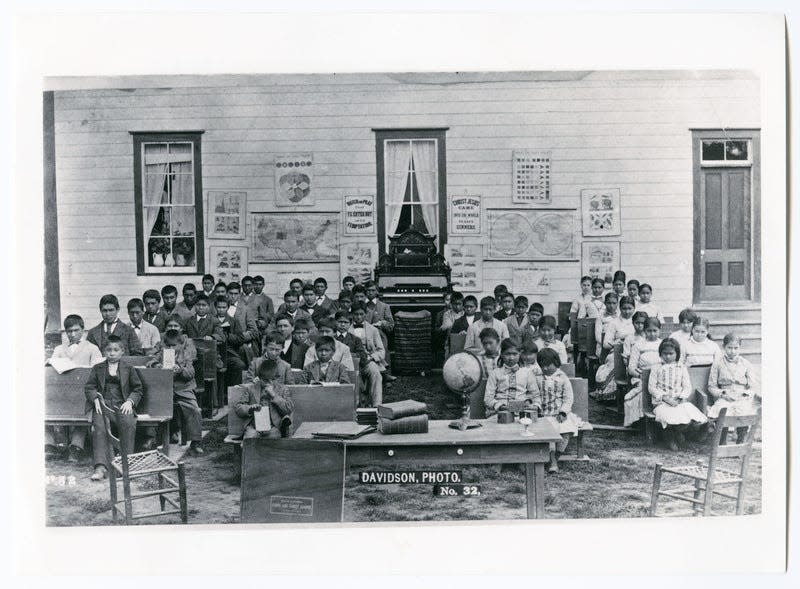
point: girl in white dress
(616, 331)
(510, 382)
(547, 338)
(633, 289)
(556, 402)
(731, 382)
(644, 354)
(609, 313)
(670, 387)
(698, 349)
(646, 304)
(527, 357)
(639, 319)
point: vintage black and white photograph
(621, 385)
(306, 299)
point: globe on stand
(462, 374)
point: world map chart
(531, 234)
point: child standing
(596, 302)
(147, 333)
(644, 354)
(618, 284)
(616, 331)
(177, 351)
(698, 349)
(153, 313)
(547, 339)
(506, 306)
(633, 290)
(118, 385)
(510, 382)
(578, 307)
(670, 387)
(348, 282)
(639, 320)
(463, 323)
(490, 354)
(557, 398)
(517, 321)
(731, 382)
(488, 307)
(266, 394)
(646, 304)
(610, 313)
(111, 325)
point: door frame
(754, 136)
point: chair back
(739, 450)
(457, 342)
(647, 402)
(699, 377)
(563, 317)
(620, 370)
(580, 393)
(586, 341)
(568, 368)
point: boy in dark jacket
(266, 394)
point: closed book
(262, 420)
(414, 424)
(401, 409)
(367, 415)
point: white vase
(168, 260)
(157, 259)
(180, 260)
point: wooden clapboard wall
(627, 130)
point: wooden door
(724, 223)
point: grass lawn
(616, 482)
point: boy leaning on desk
(266, 404)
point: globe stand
(464, 423)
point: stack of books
(403, 417)
(367, 416)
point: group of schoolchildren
(310, 338)
(522, 354)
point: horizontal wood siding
(626, 130)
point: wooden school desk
(302, 478)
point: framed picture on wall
(294, 178)
(600, 259)
(227, 263)
(226, 218)
(600, 212)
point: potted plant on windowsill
(184, 251)
(159, 250)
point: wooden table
(493, 443)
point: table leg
(534, 489)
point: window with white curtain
(411, 195)
(169, 203)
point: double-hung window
(169, 203)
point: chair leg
(112, 483)
(162, 485)
(740, 498)
(708, 498)
(698, 490)
(579, 445)
(656, 487)
(649, 430)
(182, 492)
(126, 491)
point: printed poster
(600, 259)
(359, 214)
(600, 212)
(520, 234)
(293, 179)
(531, 280)
(358, 260)
(531, 177)
(465, 214)
(228, 264)
(226, 219)
(466, 265)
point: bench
(621, 377)
(65, 401)
(699, 396)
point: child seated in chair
(120, 388)
(527, 357)
(670, 387)
(177, 352)
(268, 394)
(324, 368)
(510, 382)
(555, 389)
(273, 346)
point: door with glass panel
(725, 221)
